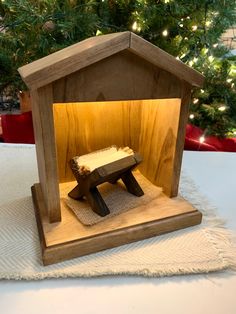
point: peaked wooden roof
(73, 58)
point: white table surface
(214, 173)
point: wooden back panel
(147, 126)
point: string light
(195, 100)
(98, 32)
(194, 28)
(165, 33)
(229, 80)
(222, 108)
(191, 63)
(191, 116)
(232, 85)
(208, 23)
(205, 50)
(211, 58)
(202, 139)
(181, 25)
(134, 26)
(202, 91)
(215, 45)
(195, 59)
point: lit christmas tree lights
(188, 30)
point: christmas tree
(189, 30)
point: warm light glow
(215, 45)
(165, 33)
(98, 32)
(211, 58)
(195, 100)
(191, 116)
(134, 26)
(194, 28)
(222, 108)
(208, 23)
(229, 80)
(195, 59)
(202, 139)
(181, 25)
(191, 63)
(202, 91)
(205, 50)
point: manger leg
(96, 202)
(76, 194)
(131, 184)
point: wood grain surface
(78, 56)
(68, 239)
(148, 126)
(46, 149)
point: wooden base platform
(69, 238)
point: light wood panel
(46, 150)
(157, 141)
(68, 239)
(147, 126)
(81, 128)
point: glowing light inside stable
(202, 139)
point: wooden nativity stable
(111, 89)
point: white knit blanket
(200, 249)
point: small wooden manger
(116, 89)
(106, 165)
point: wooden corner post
(42, 102)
